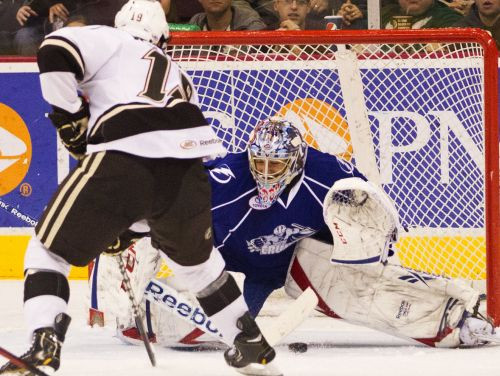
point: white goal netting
(411, 116)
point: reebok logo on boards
(15, 149)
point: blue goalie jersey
(259, 242)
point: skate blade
(254, 369)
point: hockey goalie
(288, 215)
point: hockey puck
(298, 347)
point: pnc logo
(15, 149)
(321, 125)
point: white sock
(40, 312)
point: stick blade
(21, 363)
(291, 318)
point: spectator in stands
(425, 14)
(292, 14)
(181, 11)
(221, 15)
(8, 25)
(461, 6)
(99, 12)
(33, 18)
(264, 8)
(318, 10)
(354, 13)
(484, 14)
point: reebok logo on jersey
(222, 174)
(15, 149)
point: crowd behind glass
(24, 23)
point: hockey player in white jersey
(141, 116)
(278, 208)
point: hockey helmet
(144, 19)
(277, 154)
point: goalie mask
(144, 19)
(277, 154)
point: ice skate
(251, 354)
(45, 351)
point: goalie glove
(124, 241)
(72, 128)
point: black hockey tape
(46, 283)
(221, 297)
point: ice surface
(351, 350)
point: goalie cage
(415, 110)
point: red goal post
(416, 110)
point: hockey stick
(294, 315)
(21, 363)
(279, 328)
(139, 320)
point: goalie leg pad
(362, 220)
(389, 298)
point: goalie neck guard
(144, 19)
(277, 154)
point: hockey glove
(72, 128)
(125, 240)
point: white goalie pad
(389, 298)
(363, 221)
(173, 323)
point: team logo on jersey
(281, 238)
(222, 174)
(15, 149)
(188, 144)
(322, 126)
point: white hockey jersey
(141, 102)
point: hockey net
(416, 111)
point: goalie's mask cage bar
(414, 110)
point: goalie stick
(275, 331)
(139, 320)
(21, 363)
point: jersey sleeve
(65, 58)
